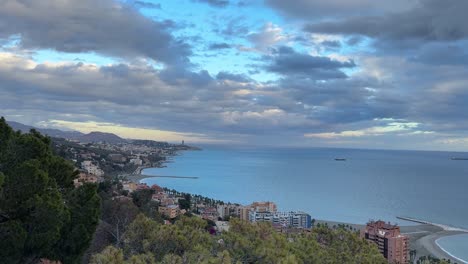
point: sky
(336, 73)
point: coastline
(423, 238)
(448, 253)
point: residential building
(223, 210)
(263, 207)
(137, 162)
(170, 211)
(244, 213)
(85, 178)
(282, 219)
(157, 188)
(129, 186)
(142, 186)
(389, 240)
(91, 168)
(210, 213)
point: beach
(423, 238)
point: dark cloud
(332, 44)
(315, 9)
(442, 54)
(148, 5)
(233, 77)
(286, 61)
(218, 46)
(215, 3)
(103, 26)
(354, 40)
(430, 20)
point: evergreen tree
(42, 215)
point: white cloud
(392, 127)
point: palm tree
(412, 254)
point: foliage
(142, 197)
(41, 213)
(118, 214)
(187, 241)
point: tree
(142, 197)
(184, 204)
(40, 211)
(109, 255)
(187, 241)
(117, 215)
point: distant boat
(455, 158)
(340, 159)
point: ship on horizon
(458, 158)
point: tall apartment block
(391, 243)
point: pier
(444, 227)
(138, 177)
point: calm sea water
(370, 184)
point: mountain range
(72, 135)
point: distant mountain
(101, 136)
(73, 135)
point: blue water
(456, 246)
(370, 184)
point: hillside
(72, 135)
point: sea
(368, 185)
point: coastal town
(112, 171)
(96, 161)
(99, 158)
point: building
(210, 213)
(137, 162)
(117, 158)
(263, 207)
(282, 219)
(243, 213)
(170, 211)
(156, 188)
(85, 178)
(223, 210)
(90, 168)
(129, 186)
(389, 240)
(142, 186)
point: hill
(101, 137)
(72, 135)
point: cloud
(215, 3)
(331, 44)
(269, 35)
(107, 27)
(314, 9)
(429, 20)
(147, 5)
(392, 127)
(240, 78)
(286, 61)
(218, 46)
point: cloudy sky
(338, 73)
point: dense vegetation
(187, 241)
(42, 214)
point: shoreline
(423, 236)
(448, 253)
